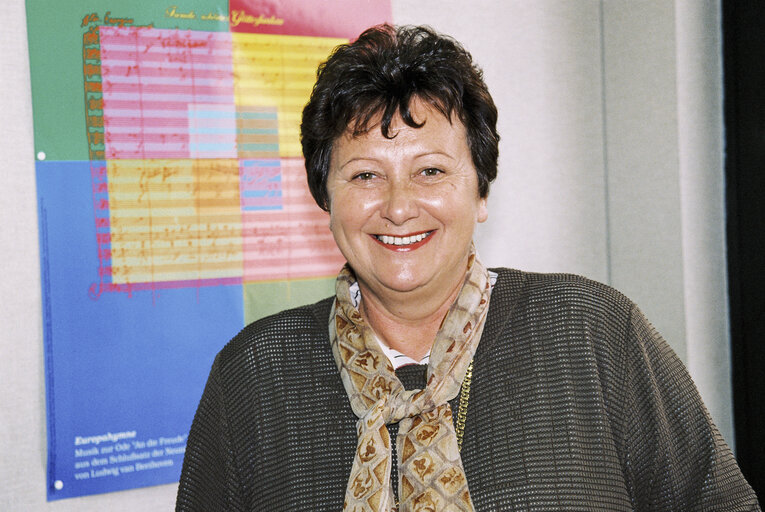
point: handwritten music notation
(210, 219)
(261, 185)
(200, 175)
(153, 81)
(293, 241)
(174, 220)
(91, 70)
(160, 86)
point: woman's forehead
(435, 135)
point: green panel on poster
(269, 297)
(56, 58)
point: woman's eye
(364, 176)
(431, 171)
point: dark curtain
(744, 68)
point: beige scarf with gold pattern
(431, 477)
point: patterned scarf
(431, 477)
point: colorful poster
(173, 210)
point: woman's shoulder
(275, 336)
(543, 312)
(559, 291)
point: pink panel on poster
(283, 234)
(325, 18)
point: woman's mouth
(403, 242)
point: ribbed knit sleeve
(209, 480)
(673, 455)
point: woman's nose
(400, 203)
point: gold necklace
(462, 412)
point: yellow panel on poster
(279, 71)
(174, 220)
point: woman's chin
(382, 279)
(409, 283)
(392, 283)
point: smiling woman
(565, 397)
(403, 209)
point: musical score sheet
(173, 210)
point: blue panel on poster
(125, 369)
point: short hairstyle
(382, 72)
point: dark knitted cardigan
(576, 403)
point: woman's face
(403, 210)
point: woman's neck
(404, 322)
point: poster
(173, 210)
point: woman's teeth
(403, 240)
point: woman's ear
(483, 211)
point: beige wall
(611, 167)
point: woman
(429, 382)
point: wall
(611, 167)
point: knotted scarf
(431, 477)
